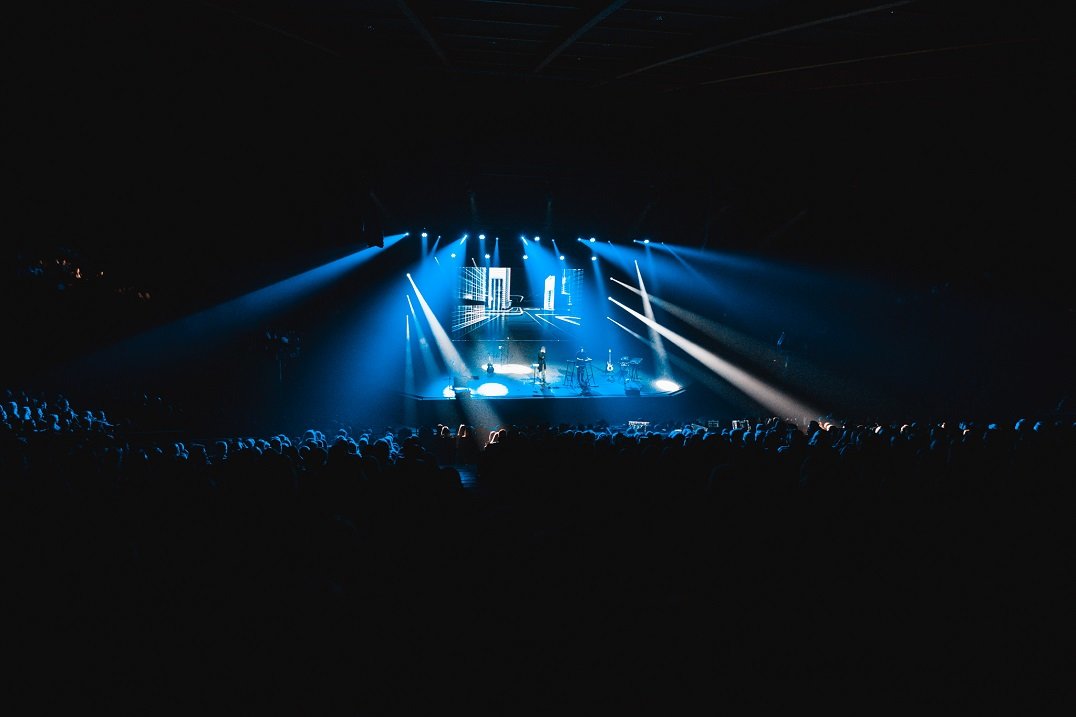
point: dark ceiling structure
(662, 46)
(813, 130)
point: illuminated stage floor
(519, 381)
(511, 395)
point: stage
(499, 394)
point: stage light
(526, 257)
(664, 384)
(646, 241)
(492, 389)
(482, 237)
(487, 256)
(592, 238)
(562, 257)
(593, 258)
(424, 235)
(453, 255)
(537, 238)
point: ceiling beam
(761, 35)
(420, 27)
(871, 58)
(575, 34)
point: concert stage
(516, 393)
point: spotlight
(526, 257)
(646, 241)
(453, 255)
(593, 258)
(592, 238)
(487, 256)
(562, 257)
(537, 238)
(424, 235)
(482, 237)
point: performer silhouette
(581, 363)
(541, 364)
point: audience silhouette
(597, 566)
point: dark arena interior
(392, 356)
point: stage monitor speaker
(631, 392)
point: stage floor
(521, 381)
(511, 395)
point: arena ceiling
(247, 127)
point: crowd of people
(598, 566)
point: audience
(595, 566)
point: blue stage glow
(772, 398)
(178, 342)
(492, 389)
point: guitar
(609, 362)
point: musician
(581, 365)
(541, 363)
